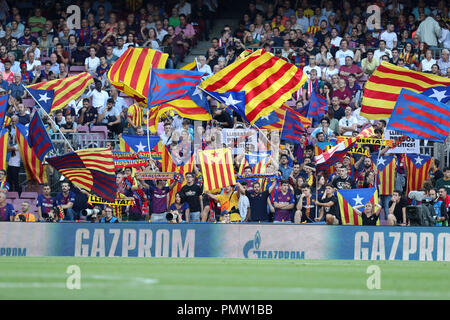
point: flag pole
(64, 137)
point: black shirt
(369, 221)
(338, 183)
(403, 203)
(333, 210)
(339, 113)
(258, 205)
(309, 217)
(191, 194)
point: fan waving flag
(171, 84)
(64, 90)
(38, 138)
(337, 153)
(90, 169)
(349, 198)
(267, 81)
(33, 165)
(386, 167)
(417, 170)
(384, 85)
(292, 128)
(420, 117)
(217, 169)
(3, 109)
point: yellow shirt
(229, 202)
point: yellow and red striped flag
(217, 168)
(267, 81)
(349, 198)
(135, 114)
(34, 168)
(168, 165)
(66, 89)
(131, 72)
(4, 136)
(384, 85)
(386, 168)
(191, 66)
(417, 170)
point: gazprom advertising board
(250, 241)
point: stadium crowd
(332, 42)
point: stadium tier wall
(252, 241)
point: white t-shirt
(426, 65)
(118, 52)
(327, 73)
(113, 112)
(35, 64)
(243, 206)
(98, 98)
(336, 42)
(307, 70)
(344, 122)
(92, 63)
(378, 53)
(389, 37)
(341, 55)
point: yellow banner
(117, 202)
(360, 150)
(382, 142)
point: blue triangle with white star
(235, 100)
(441, 94)
(43, 98)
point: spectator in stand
(389, 37)
(16, 88)
(15, 65)
(382, 50)
(54, 63)
(110, 117)
(430, 31)
(444, 62)
(37, 22)
(45, 203)
(284, 202)
(65, 200)
(99, 96)
(445, 180)
(348, 123)
(350, 68)
(92, 62)
(7, 212)
(343, 52)
(343, 94)
(25, 40)
(62, 71)
(397, 209)
(79, 55)
(426, 63)
(191, 193)
(87, 115)
(22, 113)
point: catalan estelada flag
(90, 169)
(275, 119)
(168, 165)
(64, 90)
(3, 109)
(217, 168)
(4, 136)
(38, 138)
(130, 74)
(420, 117)
(268, 82)
(384, 85)
(417, 170)
(170, 84)
(387, 168)
(349, 198)
(34, 168)
(292, 128)
(134, 143)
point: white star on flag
(44, 97)
(140, 147)
(418, 160)
(230, 101)
(198, 92)
(358, 200)
(438, 95)
(381, 161)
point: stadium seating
(29, 195)
(12, 195)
